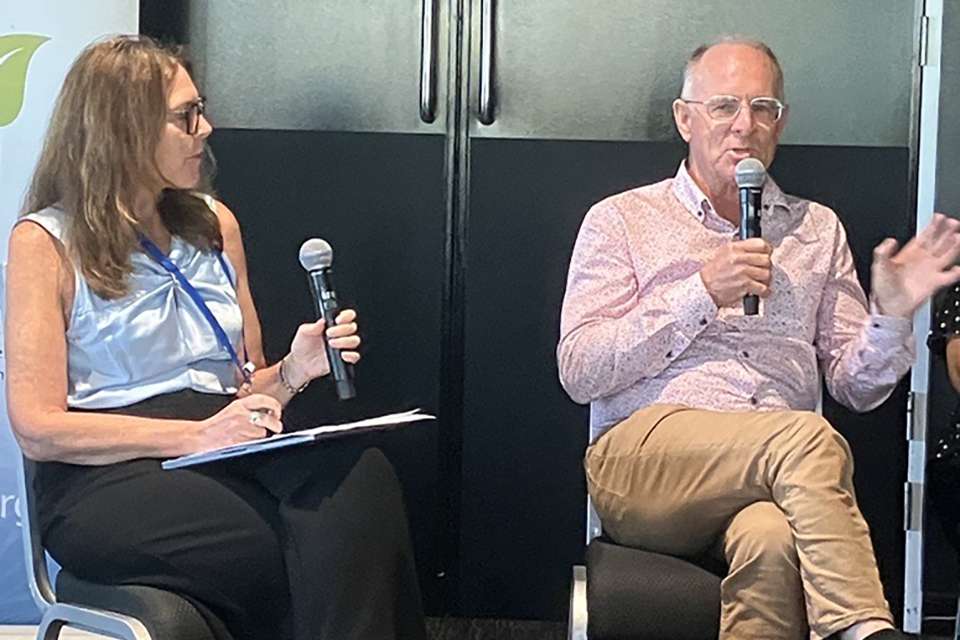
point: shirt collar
(698, 204)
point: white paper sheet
(297, 438)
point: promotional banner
(39, 39)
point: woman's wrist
(292, 379)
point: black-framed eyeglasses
(190, 115)
(765, 110)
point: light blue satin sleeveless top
(153, 340)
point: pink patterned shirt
(639, 328)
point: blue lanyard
(154, 251)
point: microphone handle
(750, 228)
(326, 306)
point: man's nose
(744, 121)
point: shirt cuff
(889, 333)
(691, 305)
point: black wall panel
(378, 200)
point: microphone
(750, 175)
(316, 256)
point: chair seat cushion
(640, 595)
(164, 613)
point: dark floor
(492, 629)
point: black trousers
(307, 542)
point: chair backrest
(594, 528)
(35, 560)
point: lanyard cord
(154, 252)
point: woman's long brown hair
(100, 153)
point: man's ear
(782, 122)
(681, 118)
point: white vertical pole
(917, 415)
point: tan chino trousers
(772, 491)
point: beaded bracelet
(283, 380)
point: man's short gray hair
(749, 42)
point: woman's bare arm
(39, 296)
(297, 370)
(953, 362)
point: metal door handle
(485, 111)
(428, 52)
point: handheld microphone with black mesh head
(750, 175)
(316, 257)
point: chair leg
(49, 629)
(105, 623)
(956, 622)
(577, 620)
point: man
(709, 436)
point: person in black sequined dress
(943, 471)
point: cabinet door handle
(428, 62)
(485, 111)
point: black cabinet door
(331, 122)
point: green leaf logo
(15, 52)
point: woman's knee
(376, 466)
(374, 487)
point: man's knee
(818, 437)
(760, 533)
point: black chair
(126, 612)
(624, 593)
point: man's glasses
(190, 115)
(765, 111)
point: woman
(943, 474)
(128, 316)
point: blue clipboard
(297, 438)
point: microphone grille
(750, 173)
(315, 254)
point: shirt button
(753, 400)
(703, 321)
(669, 354)
(745, 354)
